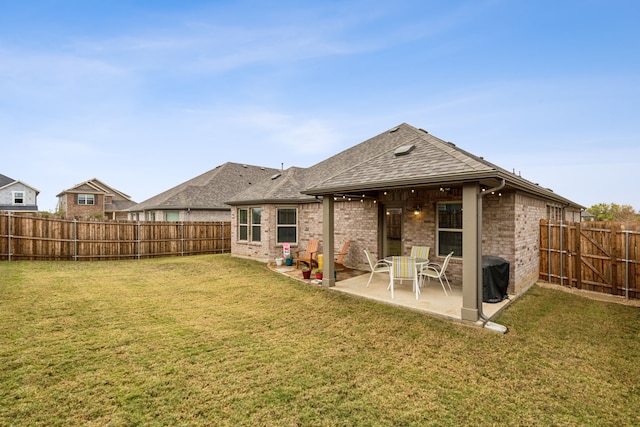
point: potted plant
(279, 261)
(306, 272)
(289, 259)
(319, 274)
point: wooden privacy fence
(46, 238)
(596, 256)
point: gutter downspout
(487, 323)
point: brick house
(401, 188)
(94, 199)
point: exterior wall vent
(404, 150)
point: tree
(613, 212)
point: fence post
(75, 239)
(224, 239)
(561, 253)
(614, 259)
(626, 264)
(138, 240)
(549, 250)
(9, 235)
(182, 239)
(578, 257)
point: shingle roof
(209, 190)
(279, 187)
(5, 180)
(94, 185)
(373, 165)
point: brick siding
(510, 230)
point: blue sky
(144, 95)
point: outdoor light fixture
(417, 210)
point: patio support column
(328, 267)
(470, 252)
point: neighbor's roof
(210, 190)
(95, 186)
(373, 165)
(5, 181)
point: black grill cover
(495, 279)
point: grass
(216, 340)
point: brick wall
(510, 230)
(529, 211)
(74, 210)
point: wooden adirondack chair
(310, 256)
(340, 260)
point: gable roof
(209, 190)
(374, 165)
(5, 181)
(95, 186)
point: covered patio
(432, 299)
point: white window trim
(14, 197)
(86, 199)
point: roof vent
(276, 176)
(394, 129)
(404, 150)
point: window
(18, 198)
(172, 216)
(256, 215)
(450, 229)
(249, 224)
(287, 225)
(243, 224)
(86, 199)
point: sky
(144, 95)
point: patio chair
(420, 252)
(380, 266)
(436, 271)
(404, 268)
(310, 256)
(340, 260)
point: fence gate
(596, 256)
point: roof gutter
(487, 322)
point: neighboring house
(401, 188)
(203, 197)
(94, 199)
(587, 216)
(16, 196)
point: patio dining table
(420, 262)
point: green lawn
(220, 341)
